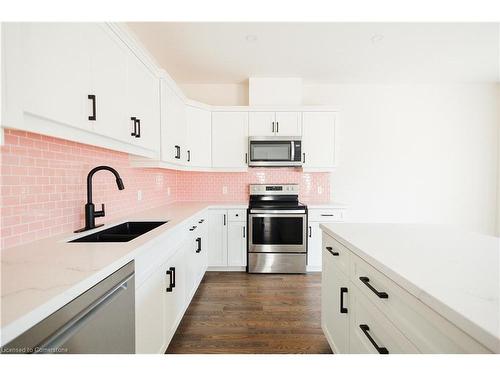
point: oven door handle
(280, 212)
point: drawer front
(425, 328)
(325, 215)
(370, 331)
(337, 252)
(237, 215)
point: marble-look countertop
(457, 274)
(40, 277)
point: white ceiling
(324, 52)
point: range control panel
(263, 189)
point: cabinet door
(173, 134)
(55, 61)
(314, 247)
(217, 238)
(149, 313)
(175, 300)
(229, 139)
(236, 244)
(199, 134)
(109, 82)
(334, 305)
(318, 139)
(203, 246)
(261, 124)
(288, 124)
(144, 104)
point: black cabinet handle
(273, 126)
(93, 116)
(277, 127)
(326, 214)
(177, 152)
(193, 228)
(303, 157)
(173, 276)
(201, 221)
(365, 280)
(198, 241)
(343, 310)
(244, 231)
(135, 126)
(224, 219)
(246, 157)
(330, 250)
(380, 349)
(138, 134)
(171, 283)
(189, 155)
(310, 231)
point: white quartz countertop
(40, 277)
(456, 274)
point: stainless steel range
(277, 230)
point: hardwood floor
(236, 312)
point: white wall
(412, 153)
(217, 94)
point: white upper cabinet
(199, 134)
(143, 106)
(261, 124)
(288, 124)
(54, 62)
(275, 123)
(318, 140)
(229, 140)
(79, 81)
(174, 129)
(108, 72)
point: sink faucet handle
(100, 213)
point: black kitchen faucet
(90, 212)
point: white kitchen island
(410, 288)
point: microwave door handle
(293, 150)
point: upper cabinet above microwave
(274, 123)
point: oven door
(277, 233)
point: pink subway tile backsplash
(43, 185)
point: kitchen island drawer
(339, 253)
(370, 332)
(425, 328)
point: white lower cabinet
(334, 304)
(164, 290)
(149, 313)
(227, 239)
(316, 216)
(237, 243)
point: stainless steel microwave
(275, 151)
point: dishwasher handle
(64, 333)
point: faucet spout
(90, 212)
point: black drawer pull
(198, 241)
(365, 280)
(330, 250)
(310, 231)
(343, 310)
(201, 221)
(189, 155)
(133, 119)
(192, 228)
(171, 282)
(138, 134)
(177, 152)
(380, 349)
(327, 215)
(93, 116)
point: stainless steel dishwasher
(101, 320)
